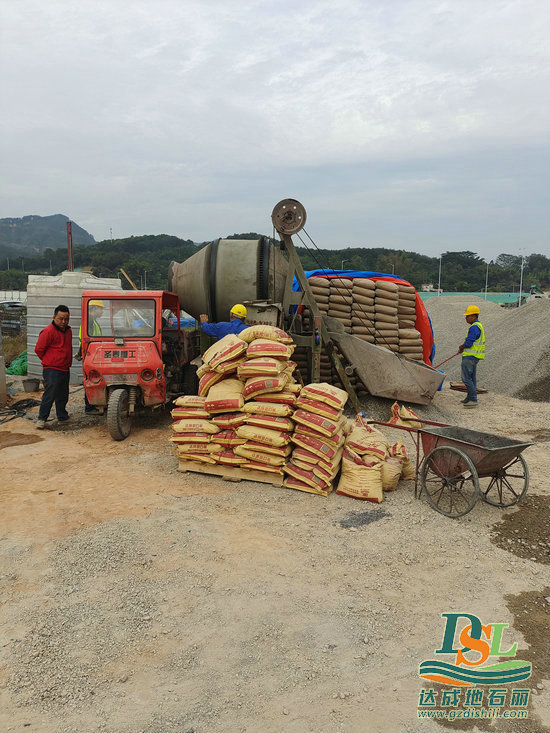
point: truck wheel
(119, 421)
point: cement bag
(190, 401)
(179, 413)
(401, 415)
(228, 458)
(319, 424)
(260, 367)
(231, 366)
(319, 282)
(195, 425)
(263, 331)
(277, 398)
(408, 471)
(201, 371)
(264, 347)
(271, 421)
(273, 450)
(226, 396)
(335, 440)
(391, 473)
(256, 386)
(360, 478)
(228, 438)
(181, 438)
(318, 408)
(315, 445)
(263, 435)
(293, 483)
(259, 456)
(267, 408)
(227, 348)
(323, 392)
(387, 286)
(257, 466)
(385, 310)
(229, 420)
(306, 477)
(364, 283)
(207, 381)
(199, 457)
(293, 387)
(184, 448)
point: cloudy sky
(411, 124)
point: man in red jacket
(54, 349)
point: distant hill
(31, 235)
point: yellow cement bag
(257, 466)
(277, 398)
(229, 420)
(319, 408)
(360, 479)
(264, 347)
(225, 396)
(263, 331)
(293, 483)
(179, 413)
(267, 408)
(306, 477)
(318, 423)
(227, 438)
(199, 457)
(391, 473)
(324, 392)
(190, 401)
(271, 421)
(273, 450)
(195, 425)
(198, 448)
(363, 441)
(228, 458)
(261, 367)
(259, 456)
(231, 366)
(226, 349)
(207, 381)
(181, 438)
(256, 386)
(401, 415)
(263, 435)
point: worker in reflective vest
(473, 351)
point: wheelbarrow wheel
(450, 481)
(508, 485)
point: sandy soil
(136, 598)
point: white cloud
(150, 110)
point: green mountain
(30, 235)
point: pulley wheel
(289, 216)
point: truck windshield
(127, 318)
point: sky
(407, 124)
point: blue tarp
(343, 273)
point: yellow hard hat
(472, 310)
(99, 303)
(238, 310)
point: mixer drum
(228, 271)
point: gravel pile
(517, 359)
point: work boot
(92, 411)
(470, 404)
(40, 424)
(63, 419)
(465, 400)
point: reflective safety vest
(96, 331)
(477, 349)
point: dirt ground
(136, 598)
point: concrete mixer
(262, 275)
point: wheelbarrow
(460, 466)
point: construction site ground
(136, 598)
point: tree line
(146, 260)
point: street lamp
(486, 280)
(343, 263)
(439, 278)
(145, 280)
(521, 280)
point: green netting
(19, 365)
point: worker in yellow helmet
(236, 324)
(473, 351)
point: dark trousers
(56, 390)
(469, 367)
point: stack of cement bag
(371, 464)
(318, 438)
(410, 340)
(246, 395)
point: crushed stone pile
(517, 356)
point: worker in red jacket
(54, 349)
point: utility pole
(521, 280)
(439, 278)
(486, 280)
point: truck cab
(132, 358)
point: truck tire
(119, 422)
